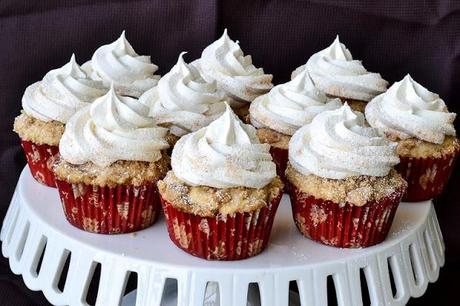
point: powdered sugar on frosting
(112, 128)
(61, 93)
(338, 144)
(291, 105)
(234, 72)
(334, 71)
(118, 63)
(225, 154)
(183, 100)
(409, 110)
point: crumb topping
(417, 148)
(356, 190)
(242, 112)
(273, 138)
(208, 201)
(356, 105)
(119, 173)
(38, 131)
(171, 139)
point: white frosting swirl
(338, 144)
(409, 110)
(334, 71)
(183, 101)
(225, 154)
(289, 106)
(61, 93)
(118, 63)
(112, 128)
(225, 62)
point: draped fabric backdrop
(391, 37)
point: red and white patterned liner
(222, 237)
(426, 177)
(40, 158)
(280, 158)
(110, 210)
(345, 226)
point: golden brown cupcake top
(273, 138)
(417, 148)
(118, 173)
(355, 190)
(171, 139)
(208, 201)
(40, 132)
(356, 105)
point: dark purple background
(391, 37)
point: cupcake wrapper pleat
(223, 237)
(426, 177)
(110, 210)
(345, 226)
(40, 159)
(280, 158)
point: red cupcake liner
(426, 177)
(280, 158)
(40, 158)
(110, 210)
(222, 237)
(345, 226)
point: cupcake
(343, 188)
(183, 101)
(286, 108)
(223, 61)
(118, 63)
(222, 194)
(112, 155)
(423, 127)
(47, 106)
(334, 71)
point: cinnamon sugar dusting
(417, 148)
(273, 138)
(357, 190)
(38, 131)
(121, 172)
(208, 202)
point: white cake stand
(35, 233)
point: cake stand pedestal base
(41, 244)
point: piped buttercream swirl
(335, 72)
(112, 128)
(183, 101)
(409, 110)
(118, 63)
(338, 144)
(61, 93)
(291, 105)
(225, 154)
(223, 61)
